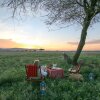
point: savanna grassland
(14, 86)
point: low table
(55, 73)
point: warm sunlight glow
(28, 46)
(29, 41)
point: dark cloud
(89, 42)
(73, 43)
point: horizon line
(47, 50)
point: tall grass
(13, 84)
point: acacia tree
(85, 12)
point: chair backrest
(75, 69)
(78, 68)
(31, 71)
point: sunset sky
(31, 32)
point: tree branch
(85, 7)
(79, 3)
(98, 11)
(93, 3)
(87, 4)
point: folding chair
(75, 69)
(32, 73)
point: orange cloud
(8, 43)
(90, 45)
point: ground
(14, 86)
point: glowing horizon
(31, 32)
(51, 46)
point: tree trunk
(81, 44)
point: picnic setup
(40, 72)
(37, 74)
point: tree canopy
(60, 11)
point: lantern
(91, 76)
(42, 88)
